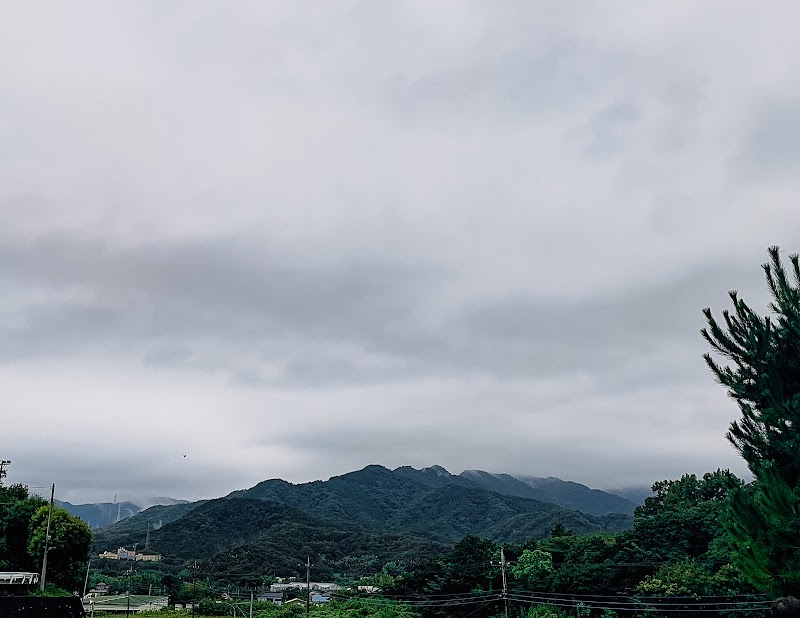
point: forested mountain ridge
(567, 494)
(407, 483)
(429, 502)
(368, 516)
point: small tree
(764, 380)
(534, 568)
(70, 539)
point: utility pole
(86, 581)
(129, 572)
(3, 472)
(147, 539)
(47, 538)
(503, 564)
(194, 585)
(308, 585)
(251, 604)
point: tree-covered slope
(235, 536)
(451, 512)
(133, 530)
(429, 502)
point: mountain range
(362, 519)
(101, 514)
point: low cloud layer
(262, 240)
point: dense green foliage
(352, 608)
(677, 548)
(240, 540)
(764, 380)
(23, 522)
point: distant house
(99, 589)
(149, 557)
(319, 599)
(300, 585)
(271, 597)
(124, 554)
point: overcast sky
(252, 240)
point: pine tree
(763, 520)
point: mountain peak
(437, 469)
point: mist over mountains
(101, 514)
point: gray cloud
(294, 240)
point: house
(124, 554)
(100, 589)
(271, 597)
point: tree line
(23, 534)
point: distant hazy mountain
(552, 490)
(636, 494)
(567, 494)
(101, 514)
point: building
(271, 597)
(125, 554)
(121, 603)
(300, 585)
(18, 578)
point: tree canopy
(23, 522)
(763, 378)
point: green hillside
(235, 537)
(356, 521)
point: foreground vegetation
(23, 528)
